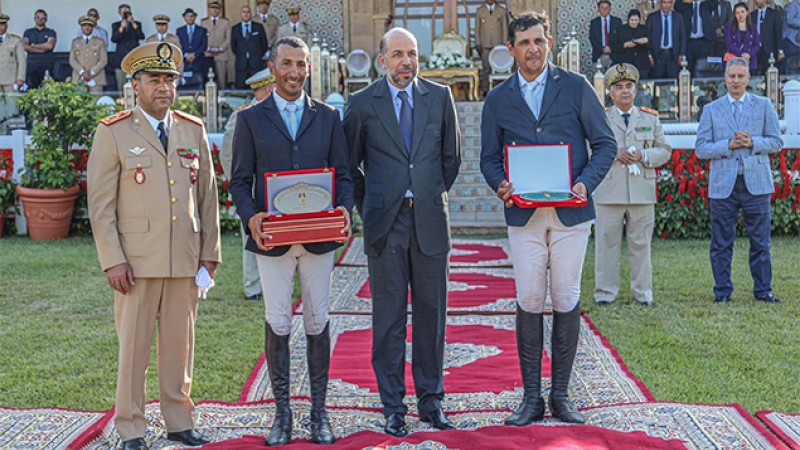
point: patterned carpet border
(46, 428)
(786, 426)
(464, 253)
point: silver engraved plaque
(302, 198)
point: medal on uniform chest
(138, 176)
(193, 175)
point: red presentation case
(541, 170)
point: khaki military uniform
(219, 37)
(89, 57)
(303, 31)
(169, 37)
(12, 69)
(646, 7)
(491, 30)
(271, 26)
(626, 198)
(157, 210)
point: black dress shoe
(135, 444)
(722, 299)
(602, 302)
(396, 425)
(530, 410)
(564, 410)
(769, 298)
(437, 419)
(253, 297)
(190, 438)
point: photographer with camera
(126, 34)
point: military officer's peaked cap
(161, 18)
(4, 18)
(153, 57)
(621, 71)
(260, 79)
(263, 1)
(87, 20)
(293, 10)
(215, 4)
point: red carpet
(786, 426)
(464, 253)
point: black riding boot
(277, 349)
(529, 346)
(566, 331)
(319, 362)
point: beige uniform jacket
(303, 32)
(644, 131)
(172, 39)
(491, 29)
(219, 36)
(166, 224)
(12, 60)
(226, 152)
(271, 27)
(646, 8)
(90, 57)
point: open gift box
(300, 204)
(541, 176)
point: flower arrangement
(447, 61)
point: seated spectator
(631, 44)
(741, 37)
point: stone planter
(48, 211)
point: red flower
(663, 235)
(669, 197)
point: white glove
(633, 169)
(204, 281)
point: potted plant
(6, 191)
(64, 116)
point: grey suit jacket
(374, 140)
(716, 130)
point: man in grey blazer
(403, 130)
(737, 133)
(545, 104)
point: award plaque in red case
(541, 176)
(300, 204)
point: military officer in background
(12, 69)
(153, 206)
(294, 27)
(88, 57)
(219, 36)
(626, 196)
(647, 7)
(491, 30)
(162, 34)
(262, 84)
(270, 21)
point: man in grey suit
(403, 129)
(737, 133)
(545, 104)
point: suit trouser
(221, 74)
(757, 217)
(277, 283)
(697, 49)
(242, 75)
(545, 242)
(173, 301)
(250, 276)
(401, 263)
(639, 221)
(666, 66)
(486, 69)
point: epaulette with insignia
(245, 106)
(649, 111)
(189, 117)
(110, 120)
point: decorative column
(325, 60)
(212, 103)
(129, 100)
(773, 83)
(333, 67)
(791, 106)
(600, 83)
(684, 93)
(316, 69)
(574, 52)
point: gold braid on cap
(162, 62)
(262, 83)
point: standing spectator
(627, 194)
(12, 68)
(667, 41)
(219, 36)
(647, 7)
(491, 30)
(39, 42)
(88, 57)
(545, 104)
(126, 34)
(737, 133)
(294, 27)
(404, 130)
(249, 46)
(721, 16)
(601, 33)
(631, 44)
(741, 37)
(270, 21)
(194, 42)
(770, 29)
(97, 31)
(699, 27)
(791, 29)
(162, 34)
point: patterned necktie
(533, 98)
(626, 117)
(291, 109)
(406, 119)
(737, 111)
(162, 135)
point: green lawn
(58, 345)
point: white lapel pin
(136, 150)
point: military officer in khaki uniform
(294, 27)
(628, 192)
(12, 69)
(491, 30)
(219, 36)
(153, 207)
(162, 34)
(88, 57)
(647, 7)
(270, 21)
(262, 84)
